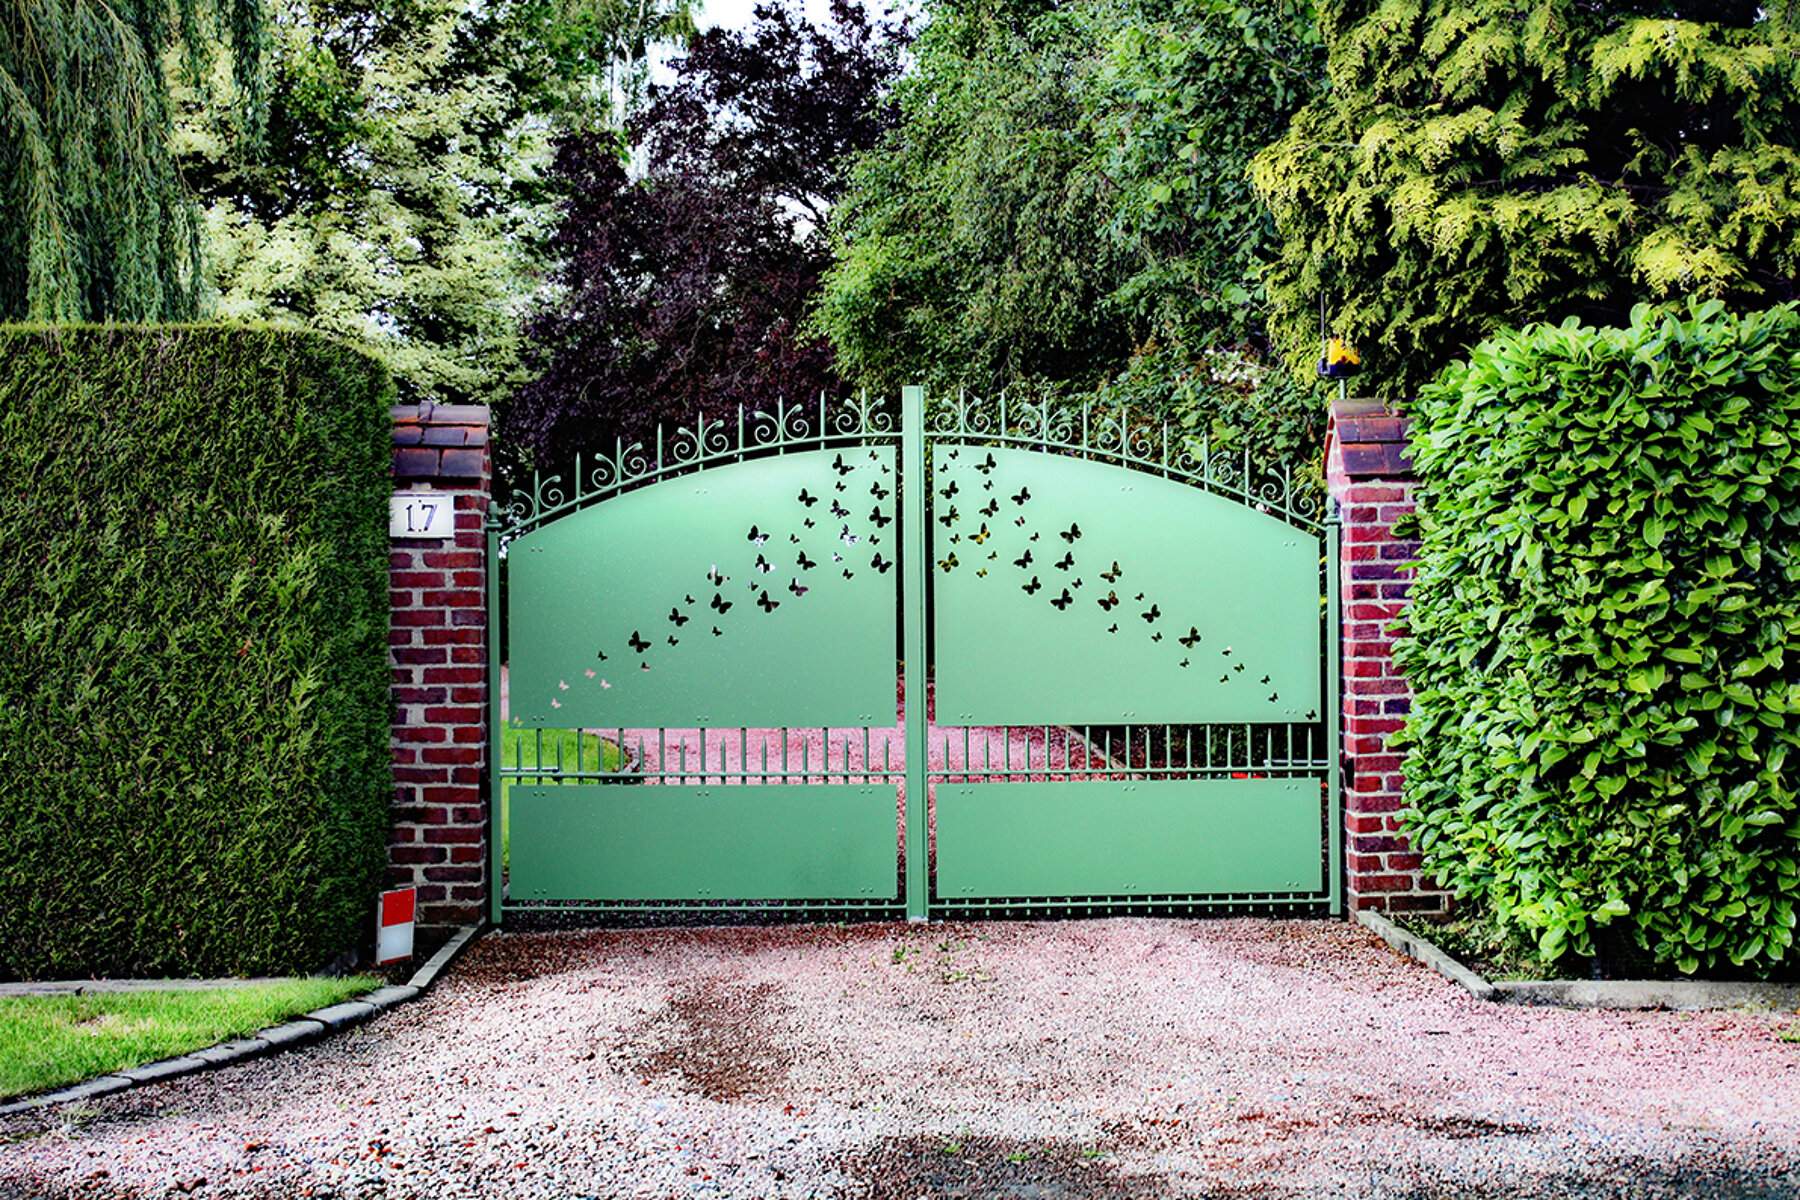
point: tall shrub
(1605, 635)
(193, 693)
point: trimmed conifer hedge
(1605, 637)
(194, 771)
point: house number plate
(422, 515)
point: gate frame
(912, 435)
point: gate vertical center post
(913, 565)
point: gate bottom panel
(1129, 838)
(674, 843)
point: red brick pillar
(1369, 473)
(437, 653)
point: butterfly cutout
(806, 499)
(1265, 679)
(1074, 531)
(982, 536)
(982, 571)
(713, 577)
(949, 493)
(563, 684)
(1182, 663)
(795, 588)
(680, 618)
(673, 640)
(767, 604)
(1153, 614)
(1112, 576)
(839, 511)
(1020, 522)
(1032, 587)
(637, 642)
(1192, 638)
(842, 467)
(1112, 629)
(880, 519)
(1068, 560)
(847, 574)
(879, 565)
(794, 538)
(1023, 495)
(848, 538)
(992, 509)
(806, 564)
(986, 465)
(1274, 696)
(877, 491)
(602, 656)
(1156, 637)
(948, 564)
(950, 516)
(756, 535)
(589, 672)
(808, 522)
(1110, 602)
(1063, 601)
(716, 632)
(721, 604)
(762, 564)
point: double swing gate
(994, 661)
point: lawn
(50, 1041)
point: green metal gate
(712, 644)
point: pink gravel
(1119, 1058)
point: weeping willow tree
(99, 226)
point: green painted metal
(914, 527)
(1121, 628)
(687, 843)
(756, 594)
(1071, 592)
(492, 525)
(1334, 615)
(1129, 838)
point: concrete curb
(300, 1031)
(1420, 950)
(1679, 995)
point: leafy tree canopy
(98, 225)
(1066, 187)
(399, 198)
(683, 291)
(1477, 164)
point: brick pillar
(1369, 473)
(437, 655)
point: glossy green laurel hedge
(193, 624)
(1605, 636)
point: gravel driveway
(1126, 1058)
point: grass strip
(51, 1041)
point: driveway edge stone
(299, 1031)
(1675, 995)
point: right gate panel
(1174, 634)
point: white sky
(737, 14)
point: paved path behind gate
(1123, 1058)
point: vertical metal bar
(1333, 705)
(492, 630)
(913, 564)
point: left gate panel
(756, 594)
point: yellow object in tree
(1339, 361)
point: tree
(99, 226)
(1064, 207)
(399, 199)
(971, 246)
(684, 291)
(1478, 164)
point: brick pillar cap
(439, 441)
(1367, 439)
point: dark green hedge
(1605, 637)
(193, 622)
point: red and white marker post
(394, 926)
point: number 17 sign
(422, 515)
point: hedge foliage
(193, 617)
(1605, 636)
